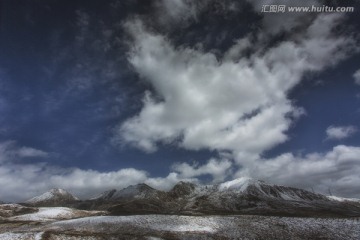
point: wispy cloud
(340, 132)
(357, 77)
(10, 151)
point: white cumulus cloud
(200, 102)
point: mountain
(239, 196)
(139, 191)
(54, 197)
(134, 199)
(246, 196)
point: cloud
(87, 182)
(201, 102)
(166, 183)
(357, 77)
(337, 170)
(176, 10)
(10, 151)
(237, 101)
(22, 181)
(31, 152)
(284, 22)
(340, 132)
(181, 13)
(219, 169)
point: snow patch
(341, 199)
(38, 236)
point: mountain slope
(105, 195)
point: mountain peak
(58, 191)
(141, 190)
(54, 195)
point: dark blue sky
(69, 82)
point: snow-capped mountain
(239, 196)
(53, 197)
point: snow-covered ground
(57, 224)
(222, 227)
(54, 213)
(170, 223)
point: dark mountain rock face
(240, 196)
(182, 189)
(105, 195)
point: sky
(96, 95)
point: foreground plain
(71, 224)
